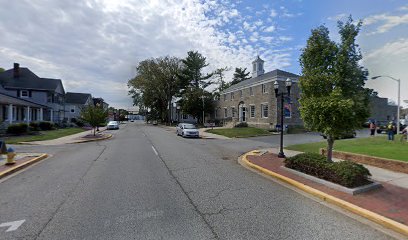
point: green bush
(345, 173)
(34, 126)
(45, 126)
(241, 125)
(19, 128)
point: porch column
(10, 113)
(51, 115)
(240, 113)
(41, 114)
(28, 115)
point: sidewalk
(23, 160)
(390, 202)
(74, 138)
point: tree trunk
(330, 143)
(94, 131)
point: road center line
(155, 151)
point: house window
(240, 93)
(216, 113)
(251, 91)
(225, 97)
(264, 88)
(264, 110)
(24, 94)
(252, 111)
(225, 112)
(233, 111)
(72, 110)
(232, 96)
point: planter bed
(352, 191)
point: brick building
(254, 101)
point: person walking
(390, 131)
(372, 128)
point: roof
(8, 99)
(77, 98)
(28, 80)
(260, 78)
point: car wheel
(182, 134)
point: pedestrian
(390, 131)
(372, 129)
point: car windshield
(189, 126)
(112, 123)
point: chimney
(16, 72)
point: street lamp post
(399, 100)
(202, 97)
(288, 84)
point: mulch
(390, 201)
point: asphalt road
(146, 183)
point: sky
(94, 46)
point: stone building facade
(254, 101)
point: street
(147, 183)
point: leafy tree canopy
(240, 75)
(333, 99)
(94, 115)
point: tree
(156, 82)
(333, 98)
(94, 115)
(219, 76)
(240, 75)
(1, 70)
(192, 102)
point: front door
(244, 114)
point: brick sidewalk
(390, 201)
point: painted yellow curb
(386, 222)
(21, 166)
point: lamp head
(276, 87)
(288, 83)
(375, 77)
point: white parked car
(112, 125)
(187, 130)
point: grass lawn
(240, 132)
(44, 135)
(378, 146)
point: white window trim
(232, 111)
(263, 87)
(251, 91)
(21, 94)
(250, 112)
(232, 96)
(262, 110)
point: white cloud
(94, 45)
(337, 17)
(269, 29)
(273, 13)
(385, 22)
(403, 8)
(391, 60)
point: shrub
(19, 128)
(241, 125)
(45, 126)
(345, 173)
(34, 126)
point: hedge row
(345, 173)
(22, 128)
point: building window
(24, 94)
(251, 91)
(240, 94)
(264, 88)
(252, 111)
(225, 112)
(72, 110)
(264, 110)
(225, 97)
(233, 111)
(232, 96)
(216, 113)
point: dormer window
(24, 93)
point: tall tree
(193, 85)
(333, 98)
(155, 84)
(94, 116)
(1, 69)
(240, 75)
(219, 75)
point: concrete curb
(386, 222)
(93, 140)
(22, 166)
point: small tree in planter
(94, 115)
(333, 99)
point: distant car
(382, 126)
(351, 134)
(154, 122)
(187, 130)
(112, 125)
(131, 120)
